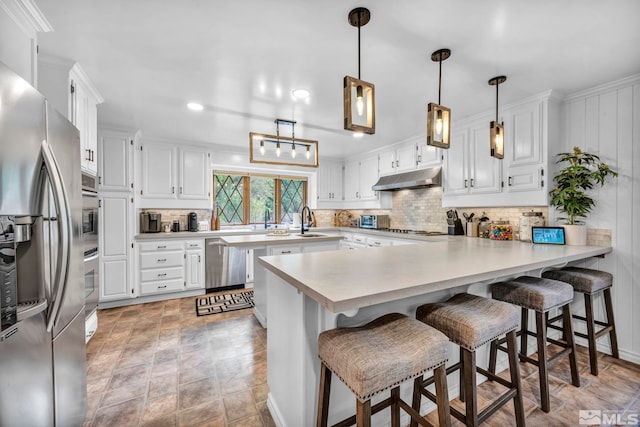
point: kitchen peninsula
(277, 244)
(309, 293)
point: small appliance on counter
(527, 221)
(377, 222)
(192, 221)
(454, 223)
(150, 222)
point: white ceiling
(241, 59)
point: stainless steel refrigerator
(42, 347)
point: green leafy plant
(583, 171)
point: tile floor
(158, 364)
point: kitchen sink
(311, 235)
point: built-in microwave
(379, 222)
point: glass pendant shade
(438, 125)
(359, 105)
(497, 140)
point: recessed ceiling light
(195, 106)
(300, 93)
(358, 134)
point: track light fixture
(260, 152)
(359, 99)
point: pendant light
(438, 116)
(497, 128)
(359, 99)
(272, 149)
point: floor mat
(224, 302)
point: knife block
(456, 229)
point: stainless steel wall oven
(90, 212)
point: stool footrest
(347, 422)
(496, 404)
(584, 319)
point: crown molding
(27, 15)
(86, 81)
(606, 87)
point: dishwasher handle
(219, 245)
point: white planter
(575, 235)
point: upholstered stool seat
(472, 321)
(590, 282)
(540, 295)
(380, 356)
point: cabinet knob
(510, 184)
(162, 274)
(285, 252)
(161, 260)
(465, 184)
(162, 286)
(173, 190)
(471, 182)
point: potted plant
(582, 172)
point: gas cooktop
(418, 232)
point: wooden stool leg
(363, 413)
(591, 333)
(493, 354)
(514, 370)
(461, 386)
(417, 397)
(323, 396)
(571, 343)
(395, 407)
(471, 398)
(524, 328)
(442, 396)
(541, 332)
(610, 320)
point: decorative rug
(224, 302)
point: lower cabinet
(170, 266)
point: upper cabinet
(471, 177)
(408, 156)
(359, 176)
(115, 160)
(172, 173)
(68, 88)
(329, 182)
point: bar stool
(379, 356)
(589, 283)
(472, 321)
(541, 295)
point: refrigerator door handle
(64, 229)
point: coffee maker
(192, 222)
(150, 222)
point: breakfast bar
(313, 292)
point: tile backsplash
(421, 209)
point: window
(254, 199)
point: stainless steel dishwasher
(225, 266)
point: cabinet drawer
(161, 287)
(285, 250)
(194, 244)
(377, 241)
(358, 238)
(161, 274)
(161, 259)
(177, 245)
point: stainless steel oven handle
(92, 257)
(64, 229)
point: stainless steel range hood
(415, 179)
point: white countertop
(347, 280)
(272, 239)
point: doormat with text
(224, 302)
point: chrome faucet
(302, 218)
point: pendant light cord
(497, 85)
(440, 79)
(359, 25)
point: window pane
(229, 190)
(262, 199)
(291, 198)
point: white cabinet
(161, 267)
(359, 176)
(473, 178)
(115, 154)
(428, 156)
(114, 217)
(68, 88)
(468, 167)
(173, 173)
(330, 181)
(398, 158)
(194, 265)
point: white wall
(606, 120)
